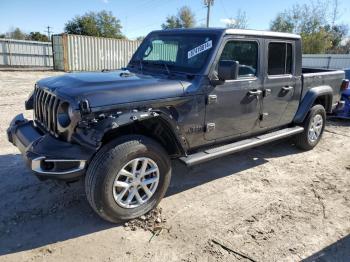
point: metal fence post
(329, 62)
(9, 52)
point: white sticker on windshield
(199, 49)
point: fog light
(47, 165)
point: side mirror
(228, 70)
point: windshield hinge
(212, 99)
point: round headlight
(63, 114)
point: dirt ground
(272, 203)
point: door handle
(287, 88)
(254, 92)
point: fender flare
(309, 99)
(95, 132)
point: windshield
(175, 52)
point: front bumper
(47, 156)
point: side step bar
(228, 149)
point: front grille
(45, 110)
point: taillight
(344, 84)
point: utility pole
(208, 3)
(48, 32)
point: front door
(279, 84)
(233, 108)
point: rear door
(279, 83)
(232, 107)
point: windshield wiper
(159, 63)
(163, 64)
(167, 68)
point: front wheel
(313, 128)
(127, 178)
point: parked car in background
(193, 95)
(347, 73)
(344, 110)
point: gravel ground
(272, 203)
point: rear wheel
(313, 128)
(127, 178)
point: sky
(139, 17)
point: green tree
(317, 42)
(185, 18)
(343, 48)
(282, 24)
(337, 34)
(109, 25)
(315, 22)
(102, 24)
(305, 18)
(171, 22)
(238, 22)
(37, 36)
(16, 34)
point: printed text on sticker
(199, 49)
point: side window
(246, 53)
(280, 59)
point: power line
(208, 4)
(224, 9)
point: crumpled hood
(113, 87)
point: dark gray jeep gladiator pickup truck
(194, 95)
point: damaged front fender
(90, 133)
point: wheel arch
(159, 127)
(321, 95)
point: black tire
(302, 140)
(109, 161)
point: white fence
(21, 53)
(327, 61)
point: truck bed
(312, 77)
